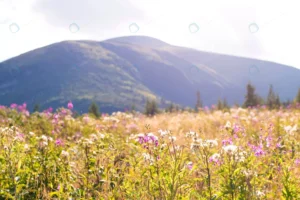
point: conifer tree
(94, 110)
(151, 108)
(220, 105)
(271, 99)
(277, 101)
(198, 102)
(225, 104)
(297, 99)
(251, 99)
(36, 108)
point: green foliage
(36, 108)
(251, 99)
(221, 105)
(297, 99)
(118, 157)
(199, 103)
(273, 100)
(94, 110)
(151, 108)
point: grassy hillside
(120, 72)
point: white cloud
(223, 25)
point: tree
(297, 99)
(220, 105)
(225, 104)
(170, 108)
(271, 99)
(277, 101)
(151, 108)
(236, 104)
(286, 103)
(94, 110)
(198, 102)
(133, 108)
(36, 108)
(251, 99)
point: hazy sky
(222, 26)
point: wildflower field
(234, 154)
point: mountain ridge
(117, 73)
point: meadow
(231, 154)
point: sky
(262, 29)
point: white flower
(93, 137)
(50, 139)
(44, 143)
(43, 137)
(211, 143)
(139, 135)
(230, 149)
(154, 137)
(101, 135)
(172, 138)
(241, 156)
(248, 173)
(88, 141)
(260, 193)
(163, 133)
(228, 124)
(290, 129)
(26, 147)
(17, 178)
(147, 157)
(64, 153)
(191, 134)
(195, 145)
(197, 140)
(215, 158)
(31, 133)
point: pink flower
(297, 161)
(49, 110)
(268, 141)
(59, 142)
(13, 106)
(70, 105)
(189, 165)
(259, 152)
(278, 145)
(215, 158)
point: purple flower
(236, 128)
(268, 141)
(215, 158)
(297, 161)
(70, 105)
(20, 136)
(226, 142)
(278, 145)
(59, 142)
(259, 152)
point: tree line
(252, 99)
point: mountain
(120, 72)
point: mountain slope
(120, 72)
